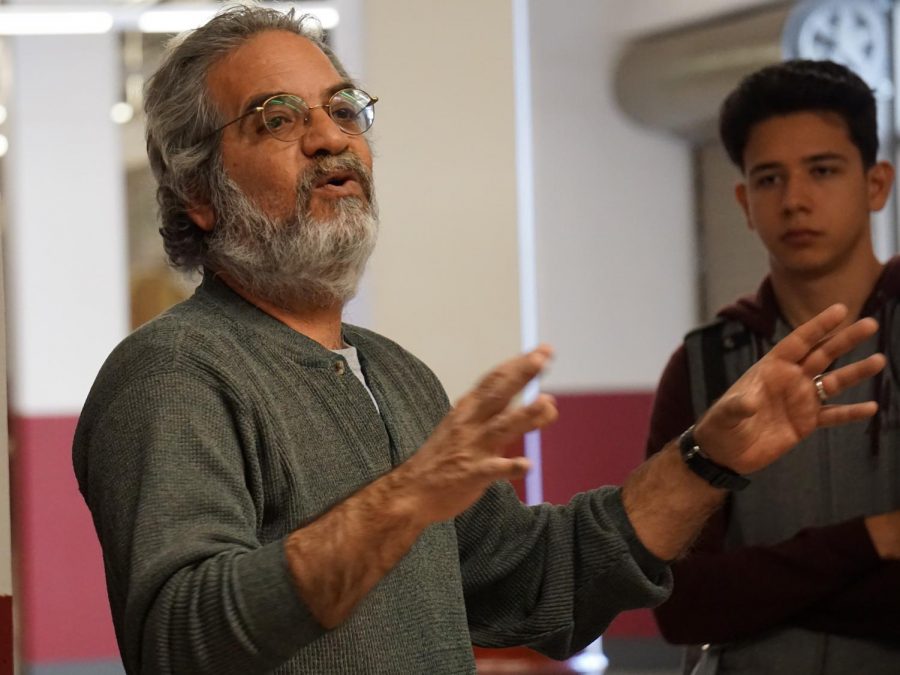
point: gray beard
(299, 261)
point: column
(67, 308)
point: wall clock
(855, 33)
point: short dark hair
(800, 86)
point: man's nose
(796, 194)
(322, 135)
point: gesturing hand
(464, 453)
(339, 557)
(775, 405)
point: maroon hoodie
(827, 579)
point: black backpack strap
(707, 348)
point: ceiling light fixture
(168, 18)
(15, 21)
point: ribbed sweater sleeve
(194, 589)
(721, 595)
(552, 577)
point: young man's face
(808, 195)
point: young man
(276, 491)
(798, 573)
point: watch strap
(715, 474)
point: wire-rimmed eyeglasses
(285, 115)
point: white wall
(6, 587)
(444, 278)
(65, 244)
(613, 209)
(614, 201)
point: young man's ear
(203, 216)
(740, 194)
(880, 178)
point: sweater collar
(254, 323)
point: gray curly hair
(181, 119)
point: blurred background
(546, 171)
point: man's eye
(281, 125)
(343, 114)
(276, 122)
(281, 117)
(766, 180)
(822, 171)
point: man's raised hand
(775, 404)
(464, 454)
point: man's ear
(879, 178)
(740, 194)
(203, 216)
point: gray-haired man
(276, 491)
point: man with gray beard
(297, 259)
(277, 491)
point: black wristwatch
(715, 474)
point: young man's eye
(766, 180)
(822, 171)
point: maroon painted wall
(6, 635)
(598, 440)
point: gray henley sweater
(215, 431)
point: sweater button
(339, 367)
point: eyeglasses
(285, 116)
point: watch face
(851, 32)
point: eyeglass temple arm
(222, 128)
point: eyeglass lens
(285, 115)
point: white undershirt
(352, 358)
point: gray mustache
(330, 164)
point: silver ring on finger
(820, 388)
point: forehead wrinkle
(281, 65)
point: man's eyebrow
(811, 159)
(335, 88)
(765, 166)
(259, 99)
(825, 157)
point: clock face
(851, 32)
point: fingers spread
(510, 424)
(833, 415)
(496, 389)
(504, 468)
(837, 345)
(803, 339)
(842, 379)
(850, 375)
